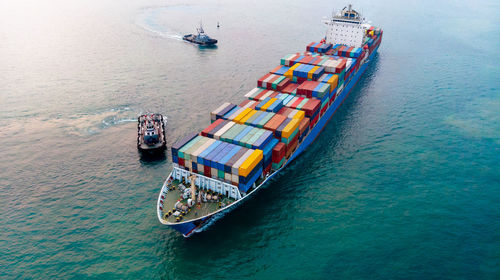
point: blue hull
(191, 227)
(331, 110)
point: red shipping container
(341, 66)
(301, 80)
(310, 45)
(274, 94)
(279, 152)
(306, 88)
(181, 161)
(290, 88)
(293, 60)
(253, 105)
(311, 107)
(259, 82)
(210, 127)
(296, 103)
(313, 122)
(245, 102)
(316, 60)
(285, 111)
(306, 59)
(304, 123)
(274, 122)
(282, 84)
(260, 94)
(267, 170)
(269, 82)
(348, 52)
(323, 110)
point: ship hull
(190, 38)
(190, 227)
(157, 148)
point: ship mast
(193, 186)
(200, 29)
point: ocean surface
(403, 183)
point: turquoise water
(404, 182)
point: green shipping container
(252, 118)
(275, 83)
(302, 103)
(232, 132)
(325, 103)
(194, 147)
(188, 145)
(246, 138)
(276, 166)
(256, 136)
(265, 120)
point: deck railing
(207, 183)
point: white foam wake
(148, 20)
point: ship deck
(197, 211)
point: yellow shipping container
(249, 164)
(333, 82)
(268, 103)
(300, 115)
(290, 128)
(242, 114)
(249, 115)
(289, 72)
(311, 72)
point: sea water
(404, 182)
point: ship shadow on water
(152, 158)
(208, 48)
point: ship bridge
(346, 27)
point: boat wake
(149, 20)
(90, 124)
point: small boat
(201, 39)
(151, 133)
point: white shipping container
(264, 83)
(223, 130)
(249, 104)
(235, 114)
(195, 154)
(266, 95)
(238, 163)
(213, 114)
(252, 93)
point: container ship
(247, 144)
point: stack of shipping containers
(246, 141)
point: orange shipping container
(274, 122)
(304, 124)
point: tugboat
(151, 133)
(201, 39)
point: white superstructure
(346, 27)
